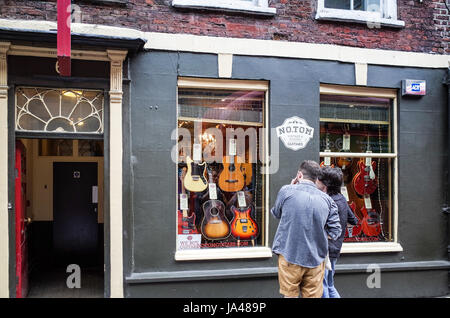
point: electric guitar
(186, 222)
(365, 181)
(215, 225)
(370, 224)
(195, 179)
(231, 178)
(243, 227)
(353, 230)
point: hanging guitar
(365, 181)
(370, 224)
(243, 227)
(215, 225)
(353, 230)
(186, 222)
(231, 178)
(195, 179)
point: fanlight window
(59, 110)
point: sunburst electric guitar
(243, 227)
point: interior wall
(40, 181)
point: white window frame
(373, 247)
(386, 17)
(257, 7)
(263, 251)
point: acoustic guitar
(231, 178)
(246, 168)
(243, 227)
(215, 225)
(186, 222)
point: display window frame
(241, 252)
(366, 247)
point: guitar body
(355, 229)
(344, 163)
(215, 225)
(195, 179)
(243, 227)
(362, 182)
(231, 179)
(186, 224)
(370, 224)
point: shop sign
(188, 241)
(295, 133)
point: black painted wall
(294, 90)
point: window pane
(337, 4)
(221, 149)
(55, 147)
(355, 124)
(367, 5)
(370, 204)
(90, 148)
(56, 110)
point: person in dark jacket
(330, 181)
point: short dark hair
(310, 170)
(332, 178)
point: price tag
(241, 199)
(183, 201)
(367, 202)
(212, 191)
(345, 192)
(350, 231)
(232, 147)
(346, 142)
(197, 155)
(327, 160)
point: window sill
(371, 247)
(231, 6)
(223, 253)
(371, 20)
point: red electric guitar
(355, 230)
(370, 225)
(365, 181)
(186, 222)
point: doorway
(63, 218)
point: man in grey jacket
(308, 217)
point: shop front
(192, 137)
(214, 136)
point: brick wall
(426, 24)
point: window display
(220, 197)
(357, 133)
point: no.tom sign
(295, 133)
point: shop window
(59, 110)
(220, 181)
(374, 13)
(357, 135)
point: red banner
(63, 37)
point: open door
(21, 222)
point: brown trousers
(295, 279)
